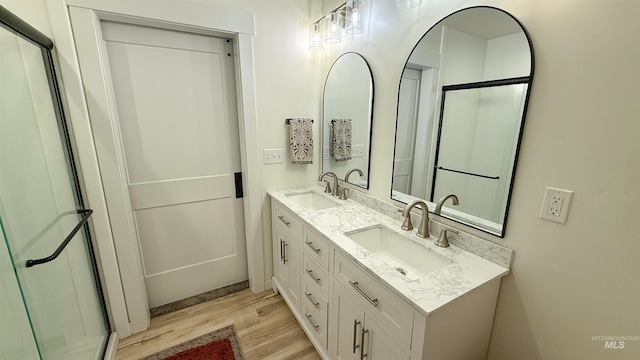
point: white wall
(32, 11)
(288, 84)
(573, 281)
(507, 57)
(569, 282)
(463, 57)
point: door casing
(189, 16)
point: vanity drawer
(287, 219)
(316, 275)
(312, 297)
(315, 320)
(395, 314)
(317, 247)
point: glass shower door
(50, 309)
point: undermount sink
(400, 252)
(312, 200)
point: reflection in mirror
(347, 113)
(461, 104)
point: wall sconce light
(355, 19)
(315, 36)
(333, 27)
(347, 16)
(407, 4)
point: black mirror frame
(522, 121)
(373, 93)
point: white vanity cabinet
(287, 254)
(315, 284)
(394, 313)
(357, 334)
(349, 313)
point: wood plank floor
(265, 326)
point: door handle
(373, 302)
(283, 220)
(310, 244)
(87, 213)
(282, 250)
(313, 277)
(355, 332)
(312, 300)
(315, 326)
(284, 253)
(362, 354)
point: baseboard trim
(198, 299)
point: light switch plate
(325, 153)
(273, 156)
(357, 151)
(556, 204)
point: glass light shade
(315, 37)
(407, 4)
(355, 17)
(333, 28)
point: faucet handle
(343, 193)
(327, 186)
(443, 240)
(407, 225)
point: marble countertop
(427, 293)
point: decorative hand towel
(341, 139)
(301, 140)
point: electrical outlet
(273, 156)
(555, 205)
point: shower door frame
(22, 29)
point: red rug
(215, 350)
(221, 344)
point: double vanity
(361, 287)
(361, 282)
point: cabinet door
(280, 267)
(388, 308)
(349, 319)
(293, 259)
(378, 345)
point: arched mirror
(347, 113)
(462, 101)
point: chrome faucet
(335, 180)
(423, 228)
(443, 199)
(346, 177)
